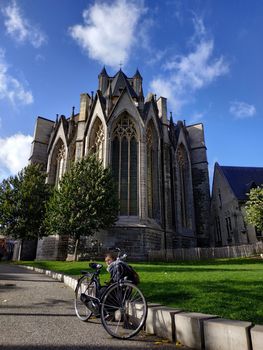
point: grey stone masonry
(223, 334)
(52, 248)
(189, 328)
(159, 166)
(200, 182)
(160, 321)
(43, 130)
(257, 337)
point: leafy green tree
(254, 208)
(22, 203)
(84, 202)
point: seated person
(119, 269)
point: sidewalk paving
(37, 312)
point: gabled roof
(122, 93)
(174, 132)
(119, 82)
(242, 179)
(62, 121)
(102, 101)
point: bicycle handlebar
(119, 256)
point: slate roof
(242, 179)
(120, 81)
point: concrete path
(37, 313)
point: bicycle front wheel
(123, 310)
(87, 287)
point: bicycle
(121, 305)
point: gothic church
(160, 166)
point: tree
(254, 208)
(84, 202)
(22, 203)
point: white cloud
(10, 87)
(164, 87)
(19, 28)
(196, 118)
(242, 110)
(156, 56)
(191, 72)
(14, 153)
(108, 32)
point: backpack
(133, 275)
(122, 270)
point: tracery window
(60, 166)
(152, 172)
(97, 138)
(183, 181)
(125, 164)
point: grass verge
(230, 288)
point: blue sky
(204, 56)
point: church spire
(103, 72)
(171, 119)
(137, 83)
(73, 112)
(137, 74)
(103, 80)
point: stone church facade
(231, 185)
(160, 166)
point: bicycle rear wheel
(123, 310)
(84, 286)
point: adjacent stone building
(160, 167)
(229, 195)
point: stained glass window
(152, 172)
(183, 171)
(125, 165)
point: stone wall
(25, 250)
(135, 241)
(52, 248)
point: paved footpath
(37, 313)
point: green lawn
(230, 288)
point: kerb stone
(189, 328)
(222, 334)
(160, 321)
(257, 337)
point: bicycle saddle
(95, 266)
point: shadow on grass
(240, 301)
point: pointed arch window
(152, 171)
(125, 164)
(60, 164)
(183, 181)
(97, 138)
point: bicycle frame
(94, 279)
(120, 305)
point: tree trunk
(76, 249)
